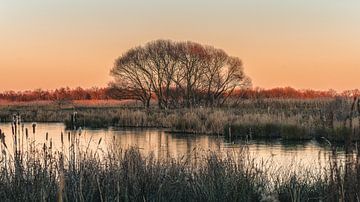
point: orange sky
(303, 44)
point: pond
(308, 154)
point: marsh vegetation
(40, 172)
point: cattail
(62, 138)
(61, 186)
(47, 136)
(15, 128)
(50, 143)
(26, 133)
(2, 137)
(69, 136)
(12, 128)
(99, 141)
(34, 127)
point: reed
(75, 173)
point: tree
(161, 62)
(129, 72)
(192, 58)
(222, 75)
(179, 73)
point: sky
(304, 44)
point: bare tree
(128, 72)
(212, 74)
(229, 77)
(192, 57)
(162, 61)
(185, 73)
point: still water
(308, 154)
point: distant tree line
(179, 74)
(57, 94)
(123, 93)
(290, 93)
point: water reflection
(283, 154)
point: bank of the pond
(220, 122)
(274, 118)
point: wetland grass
(34, 172)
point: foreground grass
(79, 174)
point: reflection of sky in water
(166, 145)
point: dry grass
(78, 174)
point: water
(308, 154)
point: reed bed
(33, 172)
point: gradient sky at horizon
(299, 43)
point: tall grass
(40, 173)
(80, 174)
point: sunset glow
(304, 44)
